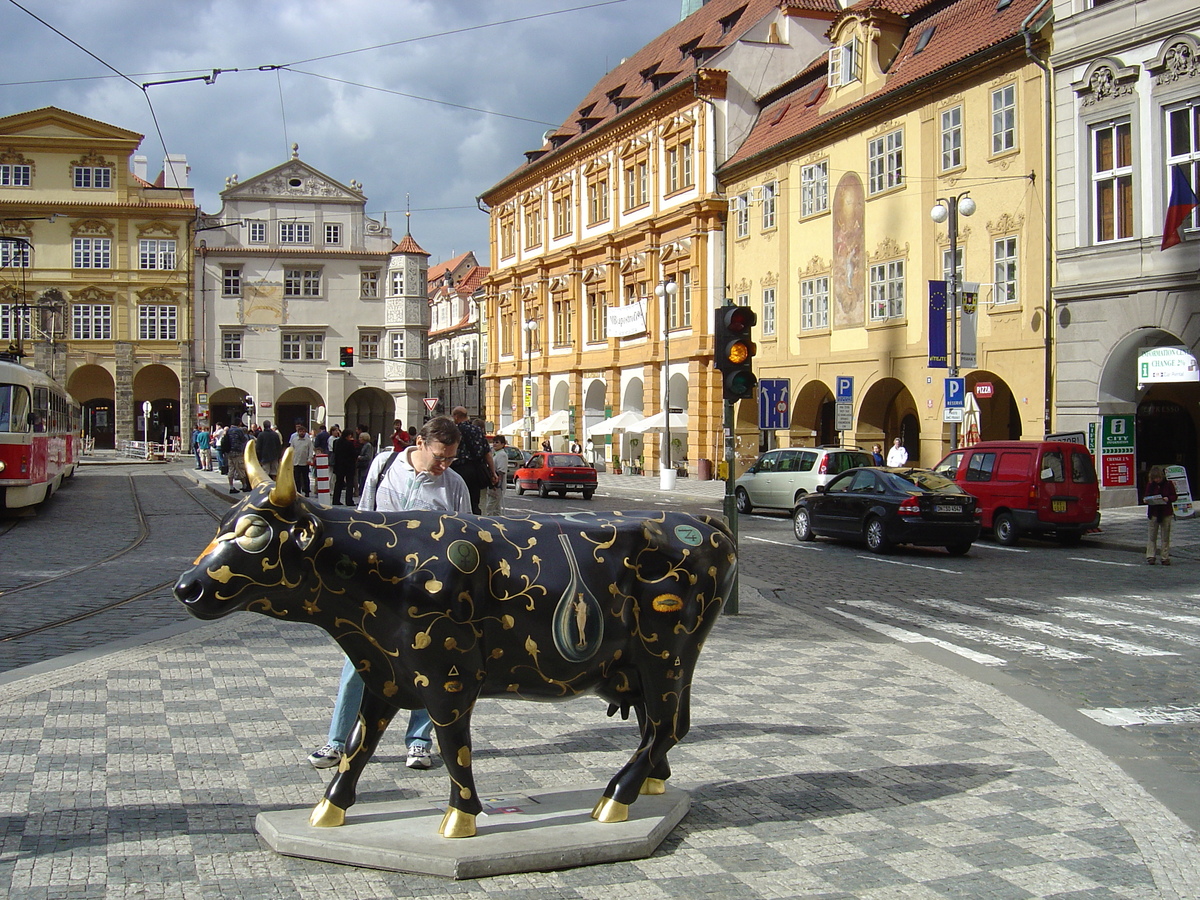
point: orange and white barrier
(321, 465)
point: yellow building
(617, 202)
(94, 269)
(832, 240)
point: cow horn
(254, 470)
(284, 491)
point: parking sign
(956, 393)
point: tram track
(143, 534)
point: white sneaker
(327, 757)
(419, 757)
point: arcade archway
(94, 389)
(160, 386)
(370, 406)
(888, 411)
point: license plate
(947, 508)
(1059, 506)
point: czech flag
(1183, 201)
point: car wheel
(542, 490)
(958, 549)
(587, 495)
(876, 535)
(1005, 529)
(520, 490)
(563, 494)
(801, 525)
(744, 505)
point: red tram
(39, 435)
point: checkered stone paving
(819, 764)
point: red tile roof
(408, 245)
(963, 29)
(439, 269)
(665, 62)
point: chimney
(139, 167)
(175, 171)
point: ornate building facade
(916, 104)
(1127, 117)
(456, 338)
(619, 200)
(291, 274)
(95, 270)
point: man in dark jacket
(344, 453)
(269, 447)
(474, 461)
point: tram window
(14, 408)
(41, 408)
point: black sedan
(885, 507)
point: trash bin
(704, 469)
(723, 470)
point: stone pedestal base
(515, 834)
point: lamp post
(666, 290)
(530, 328)
(948, 209)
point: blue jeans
(345, 713)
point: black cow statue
(437, 610)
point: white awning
(555, 423)
(512, 427)
(621, 421)
(658, 422)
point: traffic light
(346, 359)
(249, 403)
(733, 353)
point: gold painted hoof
(457, 824)
(654, 786)
(608, 810)
(326, 815)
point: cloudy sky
(433, 99)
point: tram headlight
(2, 467)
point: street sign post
(843, 413)
(774, 403)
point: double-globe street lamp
(530, 328)
(948, 209)
(666, 290)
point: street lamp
(530, 328)
(948, 210)
(665, 291)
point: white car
(779, 478)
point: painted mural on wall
(437, 610)
(849, 252)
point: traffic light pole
(730, 504)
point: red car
(562, 472)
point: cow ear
(307, 530)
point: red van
(1029, 487)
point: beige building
(95, 269)
(619, 201)
(832, 240)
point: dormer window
(686, 50)
(661, 80)
(843, 63)
(730, 20)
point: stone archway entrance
(370, 406)
(999, 418)
(160, 386)
(813, 416)
(94, 389)
(888, 411)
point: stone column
(123, 412)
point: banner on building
(937, 325)
(627, 321)
(968, 309)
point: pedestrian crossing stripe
(1154, 715)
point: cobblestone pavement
(820, 764)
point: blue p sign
(956, 393)
(844, 388)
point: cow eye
(252, 534)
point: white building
(455, 333)
(1127, 113)
(290, 275)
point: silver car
(779, 478)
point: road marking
(762, 540)
(911, 637)
(1128, 648)
(896, 562)
(1155, 715)
(980, 545)
(1101, 562)
(1008, 642)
